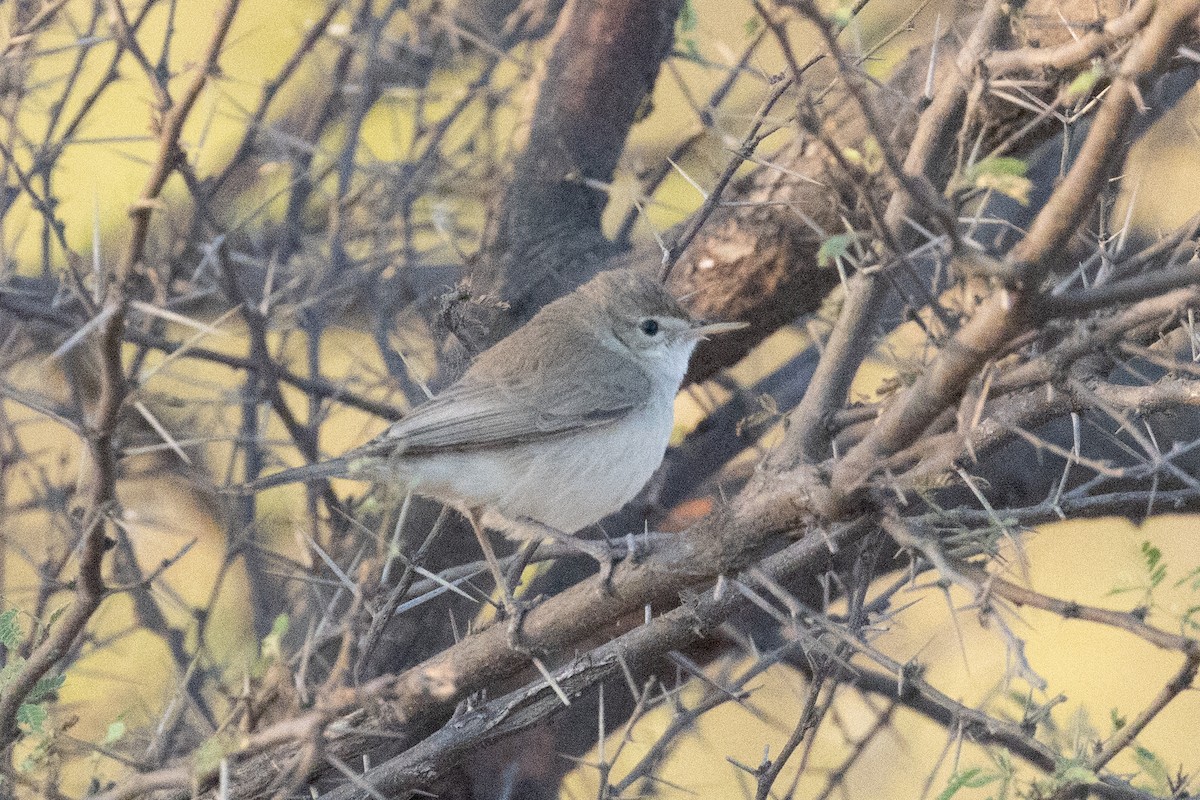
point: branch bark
(544, 236)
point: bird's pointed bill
(703, 328)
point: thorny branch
(1031, 353)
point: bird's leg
(521, 561)
(513, 608)
(601, 552)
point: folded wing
(555, 399)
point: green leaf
(752, 25)
(1075, 771)
(1002, 174)
(115, 732)
(687, 17)
(835, 247)
(55, 614)
(1118, 721)
(1084, 82)
(842, 15)
(1000, 165)
(869, 159)
(280, 626)
(1153, 768)
(970, 779)
(1193, 577)
(685, 25)
(1191, 618)
(32, 715)
(10, 631)
(272, 644)
(37, 756)
(1155, 567)
(45, 685)
(1008, 185)
(208, 755)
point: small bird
(551, 429)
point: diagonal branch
(1009, 312)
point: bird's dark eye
(649, 327)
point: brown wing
(585, 391)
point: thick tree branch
(603, 67)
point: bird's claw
(603, 554)
(606, 571)
(515, 611)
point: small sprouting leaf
(272, 643)
(1192, 577)
(869, 159)
(752, 25)
(10, 631)
(969, 779)
(55, 614)
(115, 732)
(280, 626)
(45, 685)
(685, 26)
(208, 756)
(842, 15)
(1191, 618)
(645, 108)
(1000, 165)
(1075, 771)
(873, 154)
(1155, 567)
(1153, 768)
(37, 756)
(687, 17)
(1084, 82)
(1002, 174)
(1118, 721)
(835, 247)
(32, 715)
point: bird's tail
(333, 468)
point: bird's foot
(603, 554)
(600, 551)
(632, 552)
(514, 611)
